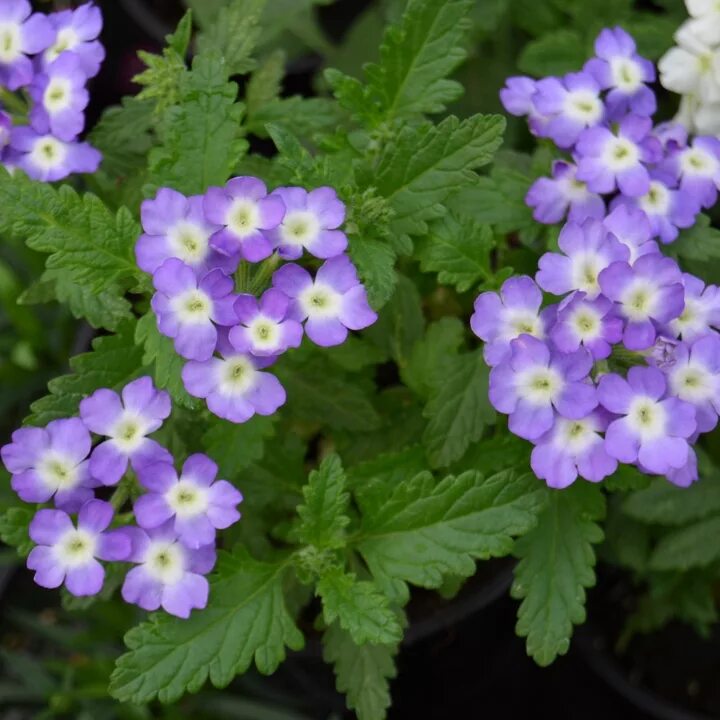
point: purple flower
(168, 573)
(653, 429)
(233, 385)
(701, 311)
(60, 99)
(51, 462)
(500, 318)
(21, 34)
(68, 554)
(126, 420)
(188, 309)
(572, 104)
(572, 448)
(694, 377)
(517, 99)
(632, 228)
(608, 160)
(532, 383)
(649, 292)
(175, 227)
(686, 475)
(619, 67)
(588, 249)
(77, 31)
(552, 198)
(592, 324)
(265, 328)
(45, 157)
(672, 135)
(195, 504)
(332, 303)
(311, 221)
(246, 215)
(697, 168)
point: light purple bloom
(517, 99)
(592, 324)
(234, 386)
(330, 304)
(701, 311)
(188, 309)
(632, 228)
(45, 157)
(245, 215)
(649, 292)
(572, 448)
(126, 420)
(500, 318)
(697, 168)
(68, 554)
(654, 428)
(588, 249)
(694, 377)
(311, 222)
(672, 135)
(51, 462)
(168, 574)
(21, 34)
(77, 31)
(60, 99)
(552, 198)
(265, 328)
(608, 160)
(176, 227)
(532, 383)
(619, 67)
(571, 105)
(195, 503)
(686, 475)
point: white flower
(706, 19)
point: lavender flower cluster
(626, 367)
(52, 57)
(173, 544)
(193, 245)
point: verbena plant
(293, 330)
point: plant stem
(13, 102)
(264, 273)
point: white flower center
(692, 320)
(57, 472)
(165, 562)
(647, 418)
(187, 499)
(694, 161)
(57, 95)
(657, 200)
(242, 217)
(576, 436)
(583, 106)
(517, 322)
(10, 42)
(300, 227)
(320, 301)
(693, 382)
(189, 241)
(237, 376)
(192, 307)
(539, 385)
(586, 323)
(48, 152)
(621, 154)
(574, 190)
(128, 432)
(265, 333)
(639, 300)
(75, 548)
(67, 39)
(626, 74)
(585, 270)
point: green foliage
(14, 524)
(689, 547)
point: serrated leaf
(458, 410)
(458, 250)
(556, 565)
(359, 607)
(246, 620)
(265, 83)
(375, 261)
(690, 547)
(700, 243)
(14, 523)
(362, 672)
(323, 515)
(420, 530)
(426, 163)
(113, 362)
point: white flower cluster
(692, 68)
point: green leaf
(265, 83)
(556, 565)
(556, 53)
(458, 250)
(426, 163)
(420, 530)
(362, 672)
(459, 409)
(201, 141)
(245, 620)
(690, 547)
(700, 243)
(359, 607)
(375, 261)
(323, 516)
(159, 354)
(113, 362)
(14, 524)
